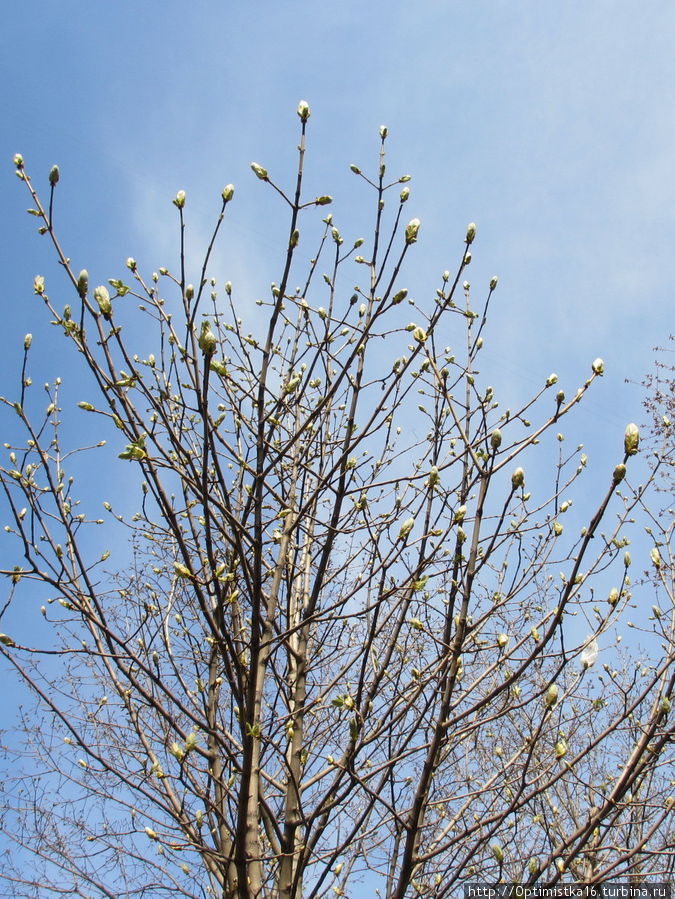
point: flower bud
(498, 852)
(626, 559)
(405, 193)
(502, 640)
(560, 748)
(434, 477)
(259, 171)
(420, 335)
(303, 111)
(412, 231)
(28, 339)
(517, 478)
(102, 297)
(665, 705)
(18, 160)
(598, 367)
(493, 282)
(207, 339)
(560, 397)
(655, 556)
(619, 474)
(496, 439)
(552, 379)
(179, 199)
(189, 291)
(355, 169)
(83, 283)
(54, 175)
(384, 131)
(39, 285)
(551, 696)
(406, 528)
(589, 654)
(228, 193)
(557, 528)
(325, 200)
(631, 439)
(399, 297)
(470, 233)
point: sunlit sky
(552, 125)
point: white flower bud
(631, 439)
(303, 111)
(551, 696)
(411, 231)
(598, 367)
(259, 171)
(517, 478)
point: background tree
(352, 646)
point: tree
(349, 647)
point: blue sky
(551, 125)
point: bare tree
(351, 647)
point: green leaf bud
(86, 406)
(54, 175)
(399, 297)
(560, 748)
(228, 193)
(18, 160)
(325, 200)
(493, 282)
(6, 640)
